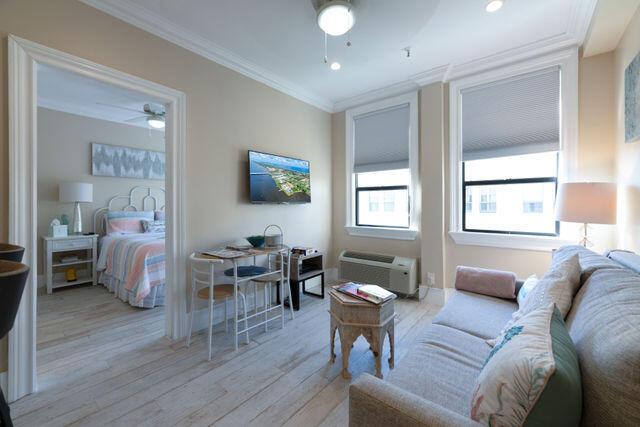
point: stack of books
(372, 293)
(304, 251)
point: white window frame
(567, 60)
(412, 232)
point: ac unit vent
(365, 273)
(387, 259)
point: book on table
(371, 293)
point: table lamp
(76, 192)
(587, 203)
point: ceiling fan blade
(136, 119)
(121, 108)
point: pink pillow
(124, 225)
(495, 283)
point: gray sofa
(432, 385)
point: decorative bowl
(256, 241)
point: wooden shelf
(65, 264)
(63, 283)
(309, 274)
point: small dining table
(276, 265)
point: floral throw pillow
(515, 372)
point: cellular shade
(381, 140)
(510, 117)
(587, 202)
(71, 192)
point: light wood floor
(102, 362)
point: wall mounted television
(278, 179)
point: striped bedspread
(137, 260)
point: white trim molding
(415, 191)
(567, 60)
(24, 56)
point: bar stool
(269, 280)
(204, 286)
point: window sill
(510, 241)
(382, 233)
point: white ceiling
(73, 93)
(279, 43)
(611, 19)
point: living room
(485, 134)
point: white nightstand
(54, 268)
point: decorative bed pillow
(153, 226)
(158, 215)
(526, 288)
(127, 222)
(559, 285)
(496, 283)
(532, 376)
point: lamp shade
(587, 202)
(71, 192)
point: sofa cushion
(589, 261)
(476, 314)
(526, 288)
(531, 376)
(627, 259)
(495, 283)
(442, 367)
(604, 323)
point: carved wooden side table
(352, 317)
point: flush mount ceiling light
(335, 66)
(494, 5)
(156, 122)
(335, 17)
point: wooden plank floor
(102, 362)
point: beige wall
(227, 114)
(64, 154)
(628, 155)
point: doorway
(24, 59)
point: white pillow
(526, 288)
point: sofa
(433, 384)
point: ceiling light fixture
(335, 17)
(156, 122)
(494, 5)
(335, 66)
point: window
(382, 168)
(517, 194)
(468, 204)
(513, 129)
(382, 198)
(488, 200)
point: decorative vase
(9, 252)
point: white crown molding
(155, 24)
(68, 108)
(437, 74)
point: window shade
(381, 140)
(510, 117)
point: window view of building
(382, 198)
(488, 200)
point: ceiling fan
(153, 114)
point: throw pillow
(532, 376)
(127, 222)
(559, 285)
(526, 288)
(153, 226)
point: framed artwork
(632, 101)
(126, 162)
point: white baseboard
(436, 296)
(4, 376)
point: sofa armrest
(373, 402)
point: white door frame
(24, 56)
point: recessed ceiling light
(156, 122)
(494, 5)
(335, 66)
(335, 17)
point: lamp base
(585, 239)
(77, 219)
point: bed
(131, 263)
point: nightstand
(82, 249)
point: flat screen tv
(278, 179)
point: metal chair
(204, 286)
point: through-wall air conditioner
(397, 274)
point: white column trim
(23, 58)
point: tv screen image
(278, 179)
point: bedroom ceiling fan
(153, 114)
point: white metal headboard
(146, 198)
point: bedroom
(101, 286)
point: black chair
(13, 276)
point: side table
(352, 317)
